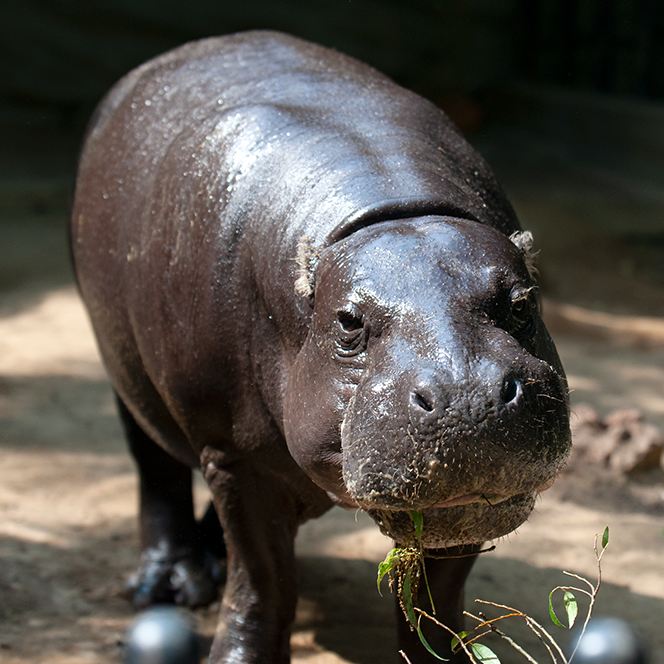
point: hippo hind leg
(179, 559)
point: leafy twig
(492, 628)
(407, 563)
(595, 589)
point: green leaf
(410, 612)
(455, 641)
(418, 521)
(391, 559)
(605, 537)
(571, 607)
(429, 648)
(408, 601)
(552, 613)
(484, 654)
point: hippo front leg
(447, 578)
(259, 518)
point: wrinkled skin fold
(306, 284)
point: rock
(622, 442)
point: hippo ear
(524, 241)
(307, 260)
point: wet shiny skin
(415, 371)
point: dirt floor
(68, 490)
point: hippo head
(428, 381)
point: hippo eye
(351, 340)
(350, 321)
(520, 307)
(522, 314)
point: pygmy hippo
(304, 282)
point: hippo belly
(304, 282)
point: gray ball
(163, 635)
(609, 641)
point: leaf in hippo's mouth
(418, 523)
(405, 565)
(469, 521)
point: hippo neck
(402, 208)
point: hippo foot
(183, 577)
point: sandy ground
(68, 500)
(68, 511)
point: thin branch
(488, 623)
(499, 606)
(548, 636)
(529, 620)
(477, 638)
(580, 578)
(593, 597)
(449, 631)
(579, 590)
(533, 629)
(514, 644)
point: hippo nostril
(511, 390)
(422, 402)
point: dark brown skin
(409, 371)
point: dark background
(563, 97)
(57, 57)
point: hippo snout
(429, 398)
(492, 432)
(481, 445)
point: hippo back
(201, 172)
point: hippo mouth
(467, 519)
(463, 520)
(491, 499)
(470, 498)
